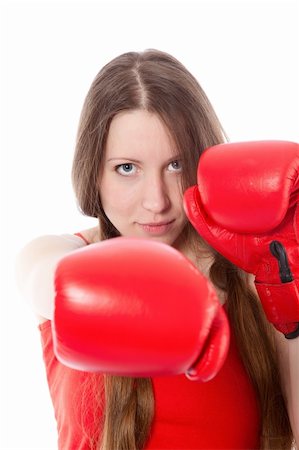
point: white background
(245, 55)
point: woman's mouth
(158, 228)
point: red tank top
(220, 414)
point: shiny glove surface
(137, 307)
(245, 205)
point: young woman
(144, 124)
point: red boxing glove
(137, 307)
(246, 207)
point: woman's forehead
(139, 133)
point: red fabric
(220, 414)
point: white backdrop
(245, 55)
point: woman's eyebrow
(172, 158)
(125, 159)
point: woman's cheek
(119, 199)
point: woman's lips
(156, 228)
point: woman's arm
(288, 353)
(35, 268)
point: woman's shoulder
(35, 267)
(90, 235)
(53, 242)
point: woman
(144, 124)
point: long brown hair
(157, 82)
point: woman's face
(140, 183)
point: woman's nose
(155, 195)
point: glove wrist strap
(281, 306)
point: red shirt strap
(82, 237)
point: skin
(140, 181)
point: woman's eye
(125, 169)
(175, 166)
